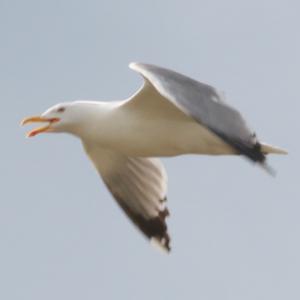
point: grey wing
(203, 103)
(140, 185)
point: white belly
(168, 139)
(159, 134)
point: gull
(170, 115)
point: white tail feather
(266, 149)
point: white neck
(95, 118)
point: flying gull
(171, 114)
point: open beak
(39, 119)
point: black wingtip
(253, 151)
(156, 229)
(256, 155)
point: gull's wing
(140, 186)
(203, 103)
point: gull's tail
(268, 149)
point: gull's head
(63, 117)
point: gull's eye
(61, 109)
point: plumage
(205, 104)
(170, 115)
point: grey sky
(235, 230)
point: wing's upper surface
(203, 103)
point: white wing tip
(156, 243)
(133, 65)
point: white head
(71, 117)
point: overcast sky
(235, 230)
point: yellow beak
(38, 119)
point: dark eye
(61, 110)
